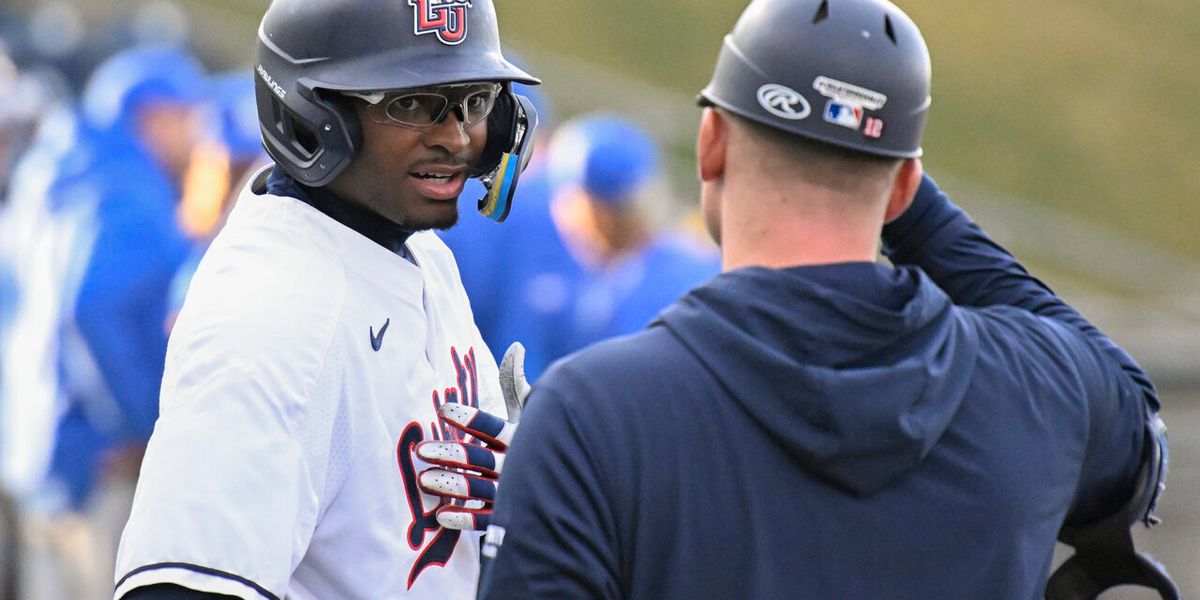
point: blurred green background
(1091, 107)
(1070, 129)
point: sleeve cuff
(194, 577)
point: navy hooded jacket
(836, 431)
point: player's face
(412, 176)
(170, 131)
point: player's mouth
(439, 183)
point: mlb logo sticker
(447, 19)
(846, 115)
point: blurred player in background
(110, 244)
(23, 99)
(326, 324)
(229, 149)
(812, 424)
(28, 135)
(607, 176)
(141, 110)
(33, 263)
(588, 260)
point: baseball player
(326, 324)
(812, 424)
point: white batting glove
(466, 474)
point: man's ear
(711, 145)
(904, 188)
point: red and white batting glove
(466, 474)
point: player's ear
(904, 188)
(711, 145)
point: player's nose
(449, 133)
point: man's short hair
(817, 162)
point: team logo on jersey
(434, 544)
(447, 19)
(783, 102)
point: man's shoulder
(439, 264)
(1045, 352)
(279, 240)
(432, 251)
(263, 287)
(615, 369)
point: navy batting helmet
(310, 52)
(852, 73)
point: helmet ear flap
(314, 144)
(516, 132)
(501, 127)
(345, 121)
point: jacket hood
(856, 369)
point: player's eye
(477, 105)
(416, 109)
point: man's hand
(466, 474)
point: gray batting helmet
(309, 52)
(852, 73)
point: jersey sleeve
(226, 500)
(974, 270)
(553, 533)
(944, 242)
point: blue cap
(608, 157)
(130, 79)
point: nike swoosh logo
(377, 340)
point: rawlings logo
(271, 83)
(445, 18)
(783, 102)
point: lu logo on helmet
(447, 19)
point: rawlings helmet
(311, 52)
(852, 73)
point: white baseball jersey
(306, 363)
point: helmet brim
(401, 70)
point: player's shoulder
(435, 258)
(1047, 352)
(618, 371)
(429, 246)
(270, 285)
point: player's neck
(366, 223)
(799, 226)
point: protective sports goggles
(424, 107)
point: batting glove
(466, 474)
